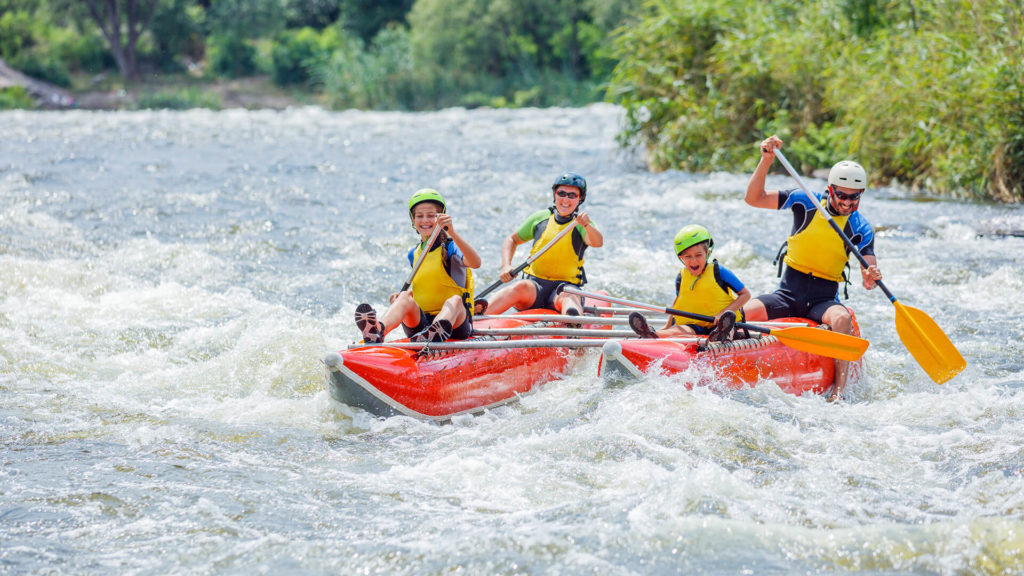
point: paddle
(803, 338)
(515, 272)
(927, 343)
(423, 256)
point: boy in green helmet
(709, 290)
(437, 304)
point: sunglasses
(569, 195)
(844, 196)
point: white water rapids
(170, 281)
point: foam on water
(169, 282)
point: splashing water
(171, 280)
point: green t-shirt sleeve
(525, 231)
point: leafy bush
(15, 97)
(231, 56)
(296, 52)
(380, 77)
(928, 93)
(43, 66)
(16, 33)
(84, 52)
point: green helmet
(427, 195)
(691, 236)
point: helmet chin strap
(832, 209)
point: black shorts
(547, 291)
(460, 332)
(801, 295)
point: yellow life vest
(817, 249)
(702, 295)
(560, 262)
(432, 284)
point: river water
(170, 281)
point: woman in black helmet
(560, 265)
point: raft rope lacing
(715, 349)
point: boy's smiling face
(695, 258)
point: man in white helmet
(816, 257)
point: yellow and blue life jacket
(433, 283)
(707, 294)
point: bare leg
(518, 294)
(676, 331)
(754, 311)
(568, 304)
(452, 311)
(839, 319)
(403, 310)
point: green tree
(122, 23)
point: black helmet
(572, 179)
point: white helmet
(848, 174)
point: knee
(523, 291)
(754, 311)
(405, 302)
(840, 322)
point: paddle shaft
(831, 221)
(671, 311)
(555, 331)
(654, 313)
(506, 344)
(599, 321)
(423, 256)
(515, 271)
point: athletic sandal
(366, 321)
(723, 330)
(439, 331)
(639, 325)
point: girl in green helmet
(709, 290)
(437, 304)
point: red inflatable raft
(735, 364)
(444, 381)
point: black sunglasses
(844, 196)
(569, 195)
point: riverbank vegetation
(383, 54)
(928, 93)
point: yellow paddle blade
(822, 342)
(928, 344)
